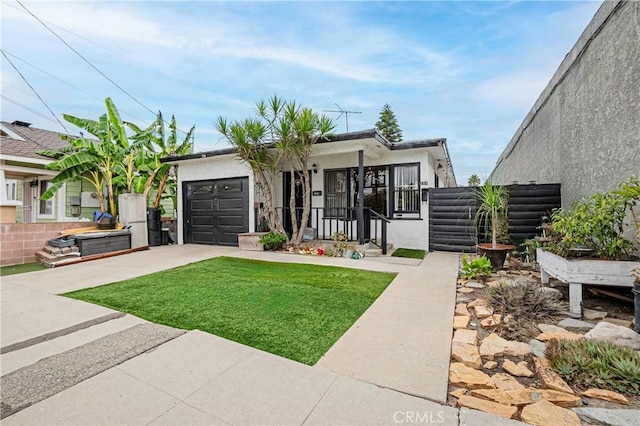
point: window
(375, 188)
(406, 193)
(335, 193)
(46, 206)
(12, 189)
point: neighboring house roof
(19, 139)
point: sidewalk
(198, 378)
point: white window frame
(12, 189)
(40, 215)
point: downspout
(360, 210)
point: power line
(91, 64)
(34, 90)
(23, 106)
(65, 82)
(85, 59)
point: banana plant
(158, 144)
(100, 161)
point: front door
(29, 194)
(299, 199)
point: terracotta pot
(495, 255)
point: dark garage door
(216, 211)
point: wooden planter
(576, 272)
(250, 241)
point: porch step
(373, 252)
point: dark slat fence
(452, 210)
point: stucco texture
(584, 131)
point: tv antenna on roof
(345, 112)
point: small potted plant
(340, 242)
(492, 211)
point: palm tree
(474, 180)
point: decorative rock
(487, 406)
(494, 345)
(482, 311)
(469, 337)
(553, 292)
(520, 369)
(506, 382)
(479, 301)
(606, 395)
(465, 290)
(518, 397)
(544, 413)
(554, 332)
(461, 309)
(558, 398)
(604, 416)
(490, 365)
(492, 321)
(502, 273)
(467, 377)
(458, 393)
(618, 321)
(574, 323)
(460, 322)
(549, 378)
(536, 274)
(466, 354)
(592, 315)
(461, 298)
(461, 281)
(538, 348)
(474, 284)
(492, 283)
(615, 334)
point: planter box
(250, 241)
(103, 242)
(576, 272)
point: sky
(466, 71)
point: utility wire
(85, 59)
(34, 90)
(91, 64)
(23, 106)
(67, 83)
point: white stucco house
(217, 198)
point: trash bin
(165, 236)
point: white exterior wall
(218, 167)
(406, 233)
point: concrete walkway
(199, 378)
(403, 341)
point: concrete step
(373, 252)
(56, 251)
(48, 259)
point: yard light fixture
(314, 167)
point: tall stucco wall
(584, 130)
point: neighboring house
(584, 130)
(25, 177)
(217, 198)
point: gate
(452, 212)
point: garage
(216, 211)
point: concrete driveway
(69, 362)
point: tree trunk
(161, 186)
(295, 240)
(271, 214)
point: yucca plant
(492, 208)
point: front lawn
(293, 310)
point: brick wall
(20, 241)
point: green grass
(410, 253)
(20, 269)
(293, 310)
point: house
(217, 197)
(584, 130)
